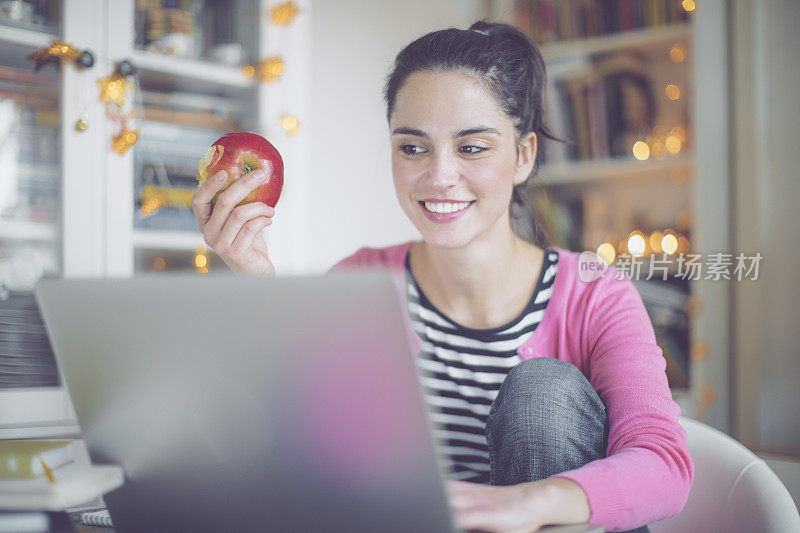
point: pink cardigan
(602, 327)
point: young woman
(547, 391)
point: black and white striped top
(461, 370)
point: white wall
(354, 43)
(766, 162)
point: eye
(472, 149)
(411, 149)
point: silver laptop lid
(243, 403)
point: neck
(475, 280)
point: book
(25, 459)
(73, 485)
(99, 518)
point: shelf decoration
(154, 198)
(284, 13)
(290, 125)
(118, 92)
(60, 51)
(201, 260)
(271, 68)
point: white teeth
(444, 208)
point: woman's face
(453, 144)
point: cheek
(404, 172)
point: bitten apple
(239, 154)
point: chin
(445, 240)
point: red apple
(239, 154)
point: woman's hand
(234, 233)
(521, 508)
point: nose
(443, 171)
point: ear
(526, 156)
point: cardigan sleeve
(647, 473)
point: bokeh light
(669, 243)
(636, 244)
(672, 91)
(677, 53)
(655, 241)
(673, 144)
(606, 252)
(640, 150)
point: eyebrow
(462, 133)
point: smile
(446, 207)
(445, 211)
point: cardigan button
(527, 350)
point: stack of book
(600, 108)
(47, 475)
(558, 20)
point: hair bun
(482, 26)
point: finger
(227, 201)
(249, 232)
(474, 520)
(201, 199)
(240, 216)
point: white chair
(733, 489)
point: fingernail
(221, 177)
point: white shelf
(167, 240)
(639, 39)
(24, 37)
(584, 172)
(178, 70)
(21, 230)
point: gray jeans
(546, 419)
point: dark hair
(509, 63)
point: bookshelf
(642, 39)
(593, 195)
(167, 240)
(623, 170)
(70, 206)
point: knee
(546, 379)
(549, 394)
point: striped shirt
(461, 370)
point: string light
(284, 13)
(271, 68)
(150, 206)
(677, 53)
(248, 71)
(672, 91)
(699, 351)
(640, 150)
(290, 124)
(688, 5)
(655, 241)
(669, 243)
(636, 243)
(673, 144)
(606, 252)
(201, 260)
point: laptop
(239, 403)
